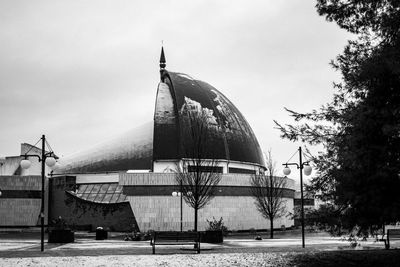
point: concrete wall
(159, 210)
(97, 178)
(80, 213)
(238, 213)
(20, 200)
(11, 165)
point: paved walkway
(28, 245)
(23, 249)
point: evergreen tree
(360, 128)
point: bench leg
(387, 244)
(154, 249)
(198, 248)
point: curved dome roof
(234, 139)
(131, 150)
(162, 140)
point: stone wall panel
(150, 196)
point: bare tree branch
(198, 174)
(268, 192)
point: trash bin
(101, 234)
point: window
(91, 196)
(89, 188)
(114, 198)
(101, 193)
(82, 188)
(99, 197)
(107, 198)
(240, 170)
(205, 169)
(104, 188)
(96, 188)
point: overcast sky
(84, 71)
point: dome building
(141, 163)
(159, 146)
(130, 179)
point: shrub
(135, 236)
(59, 223)
(138, 236)
(215, 225)
(252, 231)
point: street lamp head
(25, 163)
(307, 170)
(50, 161)
(286, 171)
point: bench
(391, 234)
(175, 238)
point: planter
(61, 236)
(101, 234)
(212, 237)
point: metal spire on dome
(162, 62)
(162, 59)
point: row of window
(217, 169)
(101, 193)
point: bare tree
(198, 173)
(268, 191)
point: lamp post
(48, 159)
(307, 171)
(179, 194)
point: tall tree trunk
(271, 220)
(195, 224)
(195, 219)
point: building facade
(128, 182)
